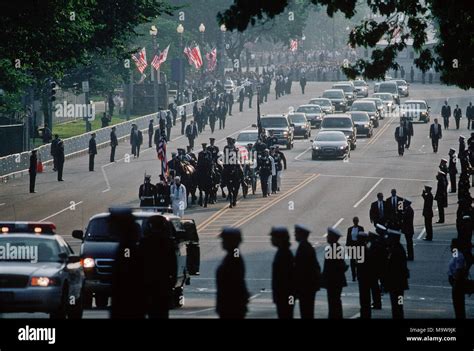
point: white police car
(38, 271)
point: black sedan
(330, 144)
(363, 123)
(302, 125)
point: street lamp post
(180, 30)
(223, 29)
(202, 29)
(155, 81)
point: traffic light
(52, 86)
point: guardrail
(17, 164)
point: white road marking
(368, 193)
(305, 151)
(421, 234)
(2, 204)
(106, 179)
(59, 212)
(357, 315)
(368, 177)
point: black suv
(100, 245)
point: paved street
(315, 193)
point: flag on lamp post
(293, 45)
(140, 60)
(158, 60)
(211, 60)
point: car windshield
(359, 83)
(363, 106)
(329, 122)
(347, 88)
(274, 122)
(333, 94)
(360, 117)
(99, 230)
(309, 109)
(384, 97)
(388, 88)
(415, 106)
(247, 137)
(401, 82)
(378, 103)
(330, 137)
(321, 102)
(21, 249)
(297, 118)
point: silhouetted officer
(159, 266)
(365, 275)
(441, 196)
(232, 293)
(150, 133)
(283, 273)
(54, 148)
(446, 114)
(183, 120)
(307, 272)
(32, 170)
(470, 116)
(169, 124)
(60, 160)
(396, 275)
(457, 113)
(147, 193)
(334, 277)
(378, 213)
(241, 99)
(379, 257)
(428, 212)
(92, 152)
(457, 276)
(452, 169)
(351, 240)
(113, 144)
(408, 228)
(303, 84)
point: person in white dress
(178, 197)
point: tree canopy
(401, 22)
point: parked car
(338, 99)
(330, 144)
(342, 123)
(314, 114)
(363, 123)
(301, 125)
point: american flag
(187, 52)
(162, 155)
(211, 60)
(194, 56)
(161, 58)
(140, 60)
(293, 45)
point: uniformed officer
(232, 295)
(265, 171)
(396, 275)
(428, 212)
(452, 169)
(150, 133)
(280, 164)
(408, 228)
(457, 113)
(457, 276)
(283, 273)
(163, 192)
(147, 193)
(446, 114)
(441, 195)
(271, 140)
(307, 272)
(334, 277)
(92, 152)
(241, 99)
(213, 149)
(32, 169)
(378, 254)
(365, 275)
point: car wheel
(101, 301)
(60, 313)
(75, 311)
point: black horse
(208, 178)
(232, 177)
(186, 169)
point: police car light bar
(28, 227)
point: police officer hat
(173, 153)
(212, 139)
(280, 233)
(443, 160)
(266, 150)
(231, 234)
(229, 139)
(177, 178)
(204, 144)
(462, 137)
(427, 187)
(181, 151)
(334, 231)
(452, 150)
(300, 228)
(34, 151)
(147, 176)
(151, 120)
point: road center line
(335, 226)
(368, 193)
(421, 234)
(305, 151)
(70, 207)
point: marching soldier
(162, 193)
(334, 277)
(147, 193)
(408, 228)
(283, 273)
(232, 294)
(452, 169)
(428, 212)
(150, 133)
(396, 274)
(307, 272)
(441, 196)
(265, 171)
